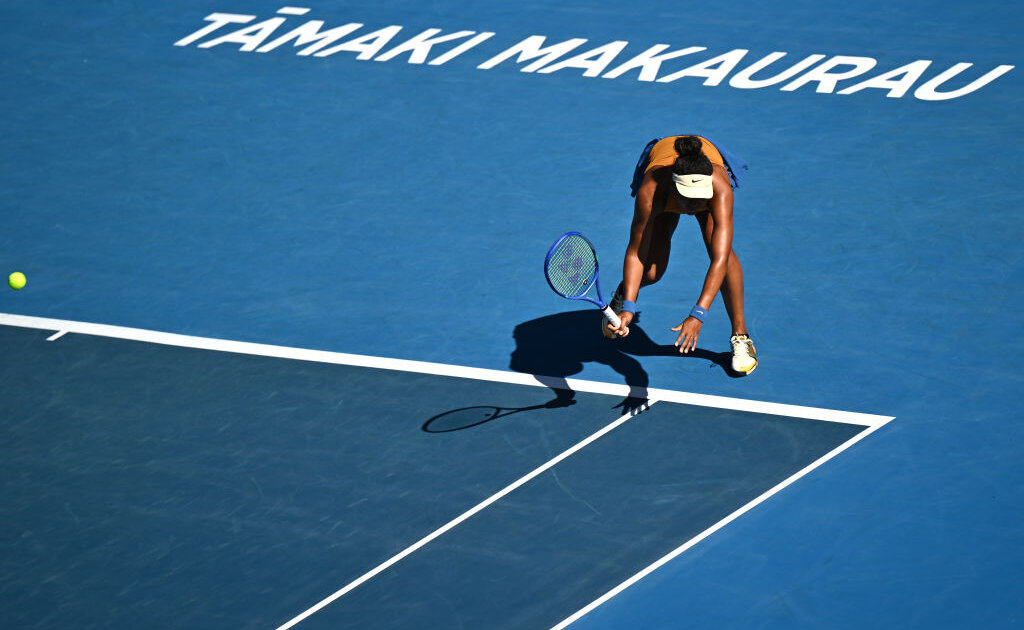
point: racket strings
(572, 266)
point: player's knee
(653, 274)
(734, 260)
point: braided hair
(691, 160)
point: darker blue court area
(195, 488)
(598, 519)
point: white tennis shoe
(744, 355)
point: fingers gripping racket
(571, 269)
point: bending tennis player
(675, 176)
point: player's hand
(688, 331)
(623, 328)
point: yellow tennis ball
(16, 280)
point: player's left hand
(688, 331)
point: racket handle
(612, 317)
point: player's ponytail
(691, 160)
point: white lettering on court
(838, 74)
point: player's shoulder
(663, 153)
(721, 182)
(668, 142)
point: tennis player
(675, 176)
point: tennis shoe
(744, 355)
(615, 305)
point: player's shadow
(555, 347)
(559, 345)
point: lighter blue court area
(383, 180)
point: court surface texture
(286, 356)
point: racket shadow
(469, 417)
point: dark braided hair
(691, 160)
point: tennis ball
(16, 280)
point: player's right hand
(623, 328)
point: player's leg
(654, 253)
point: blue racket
(571, 269)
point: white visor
(693, 186)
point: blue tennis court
(286, 356)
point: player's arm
(721, 238)
(643, 208)
(632, 264)
(721, 247)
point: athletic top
(664, 153)
(661, 152)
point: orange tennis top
(664, 154)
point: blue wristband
(698, 313)
(629, 306)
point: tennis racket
(571, 269)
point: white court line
(711, 530)
(873, 422)
(441, 369)
(57, 335)
(459, 519)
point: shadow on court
(468, 417)
(558, 345)
(555, 347)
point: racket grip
(612, 317)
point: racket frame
(611, 315)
